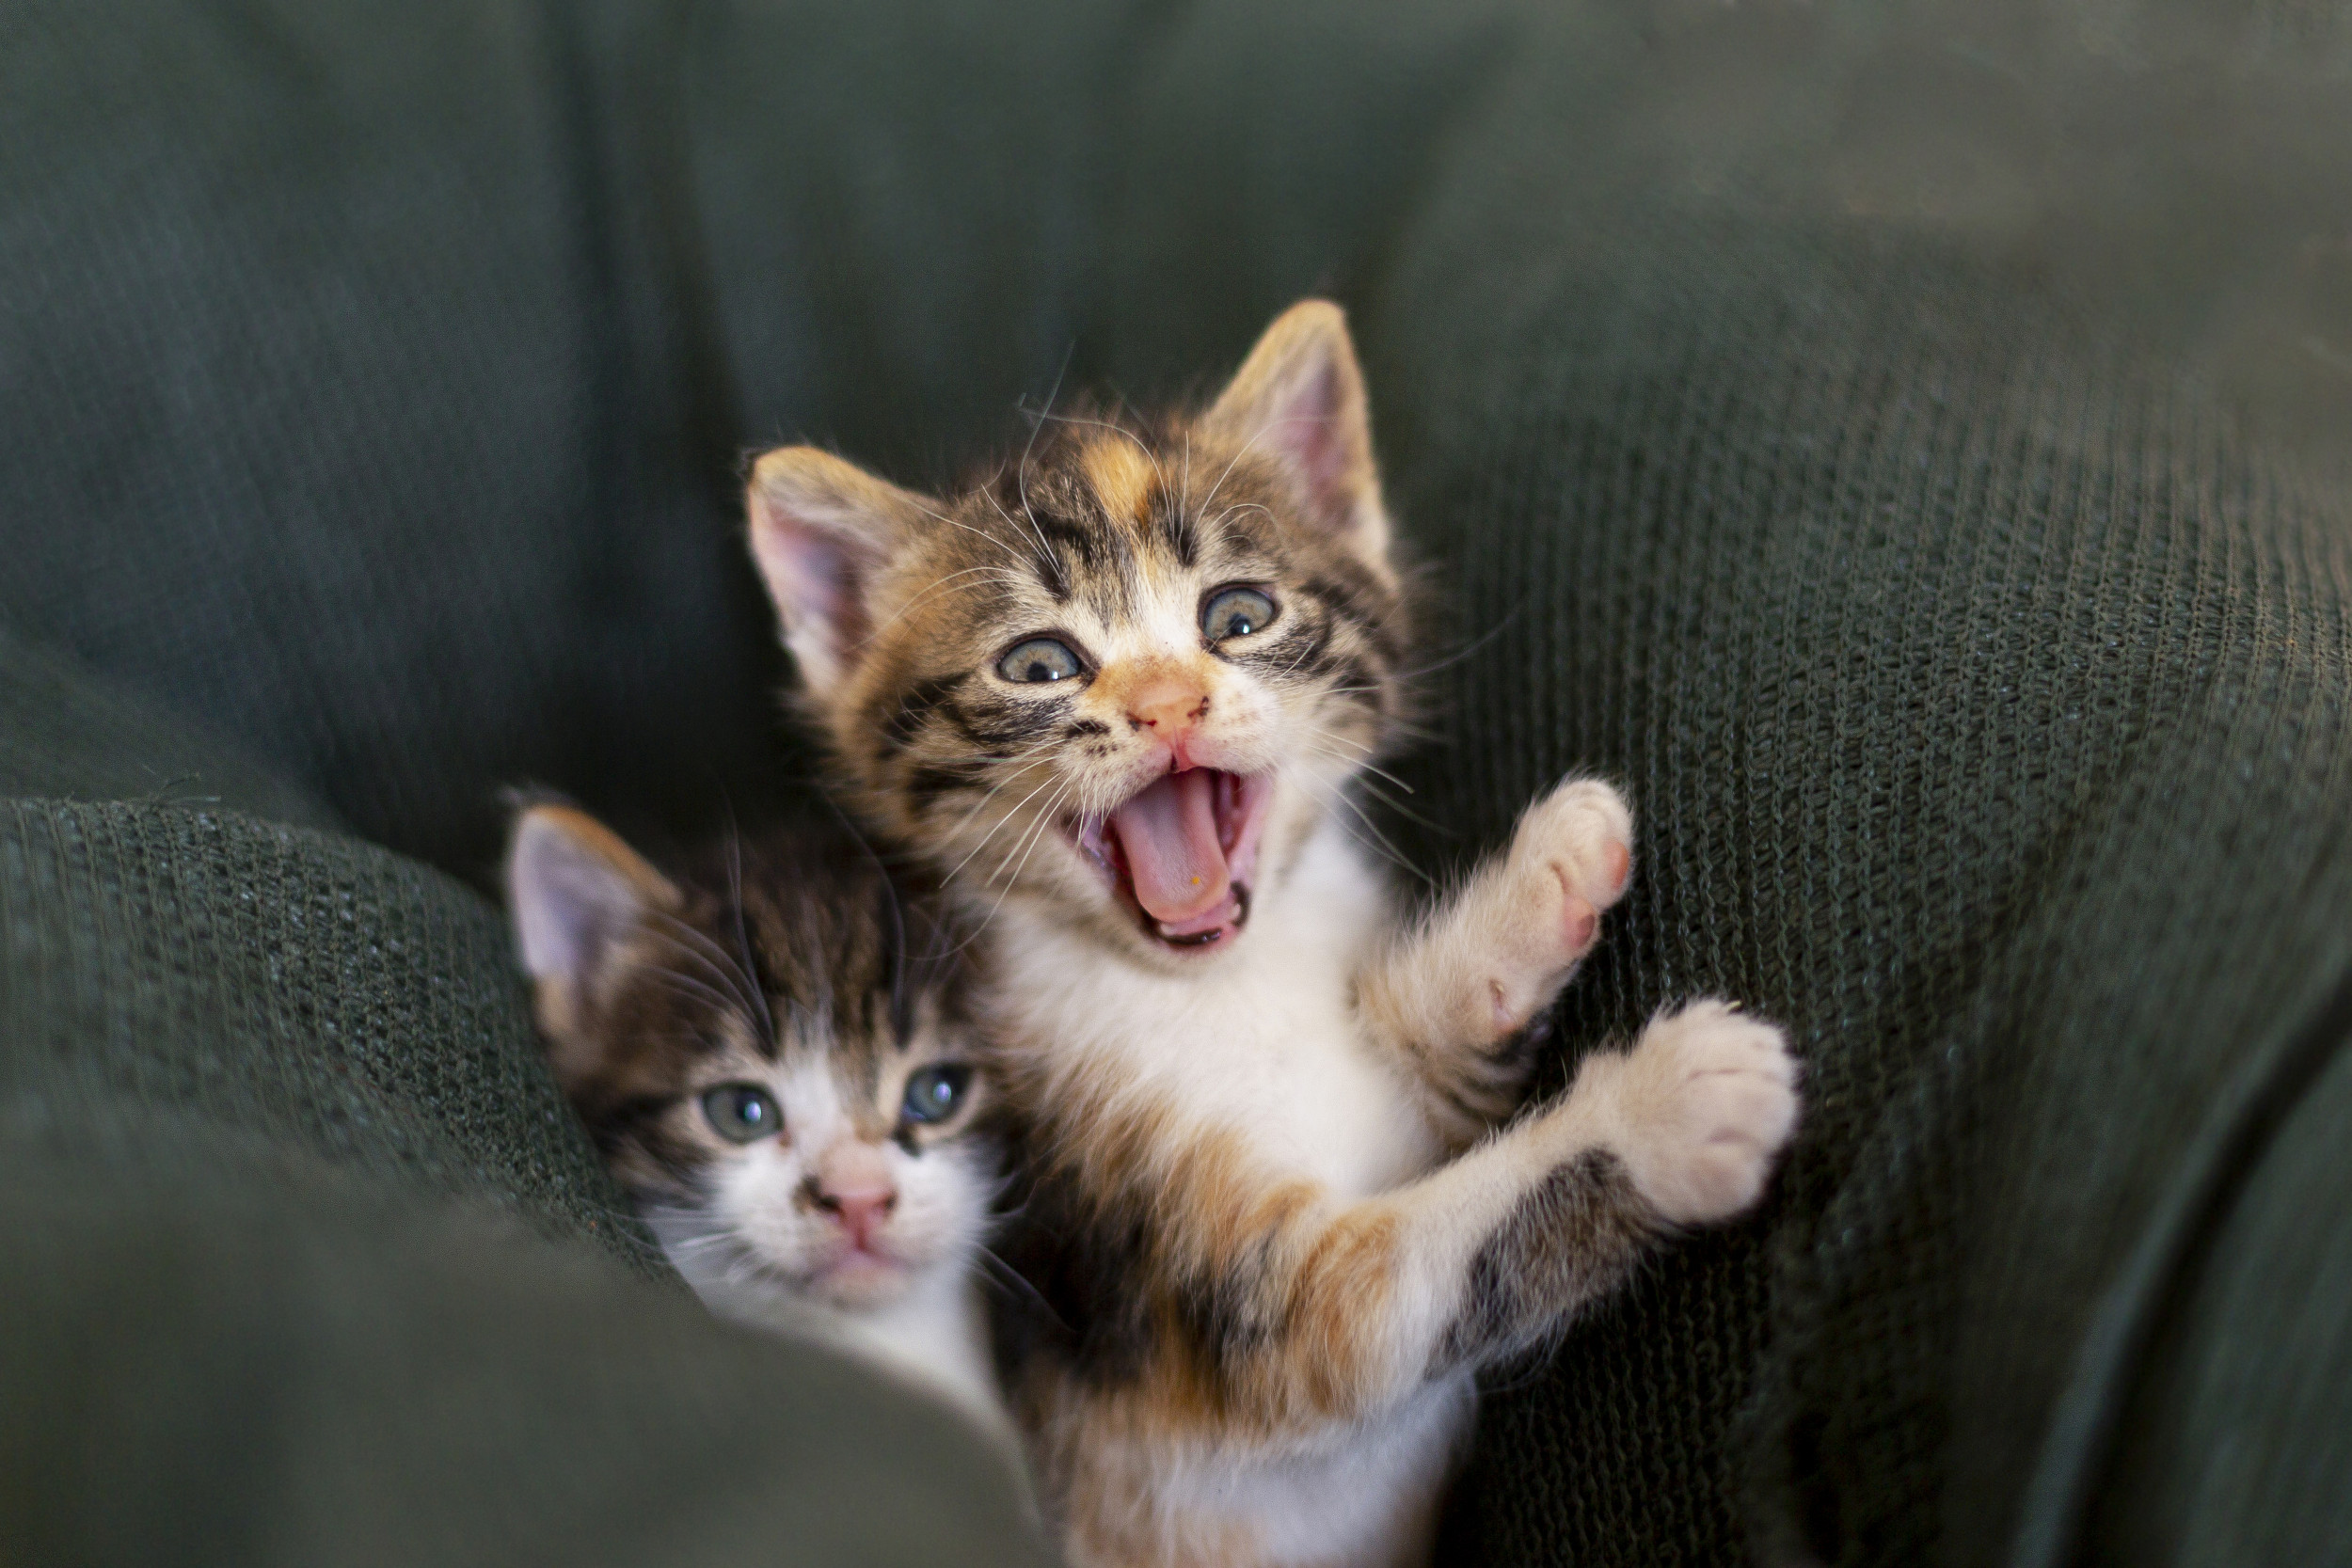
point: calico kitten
(1121, 690)
(774, 1053)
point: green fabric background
(1905, 444)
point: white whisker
(999, 827)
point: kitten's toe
(1570, 860)
(1579, 840)
(1581, 837)
(1704, 1103)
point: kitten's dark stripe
(629, 1116)
(1345, 601)
(1488, 1092)
(1175, 529)
(1062, 548)
(1087, 547)
(1028, 541)
(1080, 1261)
(1050, 570)
(1225, 1311)
(764, 1038)
(1575, 1237)
(930, 781)
(635, 1126)
(1294, 653)
(1000, 723)
(915, 707)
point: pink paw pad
(1616, 864)
(1580, 920)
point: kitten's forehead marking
(1130, 542)
(1122, 475)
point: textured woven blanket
(1905, 446)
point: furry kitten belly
(1265, 1047)
(1367, 1495)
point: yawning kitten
(1119, 692)
(774, 1057)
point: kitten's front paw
(1704, 1103)
(1571, 858)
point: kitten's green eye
(1235, 612)
(741, 1112)
(934, 1094)
(1038, 660)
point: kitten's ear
(822, 530)
(577, 892)
(1300, 397)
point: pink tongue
(1170, 833)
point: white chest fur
(1259, 1041)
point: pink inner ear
(813, 574)
(568, 904)
(1309, 432)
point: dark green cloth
(217, 1355)
(2229, 1442)
(348, 410)
(72, 735)
(1905, 445)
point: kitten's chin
(859, 1280)
(1179, 855)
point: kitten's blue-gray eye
(1235, 612)
(1038, 660)
(741, 1112)
(934, 1094)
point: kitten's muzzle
(1170, 707)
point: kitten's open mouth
(1181, 850)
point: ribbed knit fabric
(348, 411)
(306, 989)
(1905, 445)
(2007, 808)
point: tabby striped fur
(790, 963)
(1273, 1201)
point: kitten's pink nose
(852, 1183)
(1169, 705)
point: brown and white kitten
(774, 1054)
(1122, 689)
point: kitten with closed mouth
(774, 1053)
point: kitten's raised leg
(1454, 993)
(1330, 1311)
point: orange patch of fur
(1122, 475)
(1131, 680)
